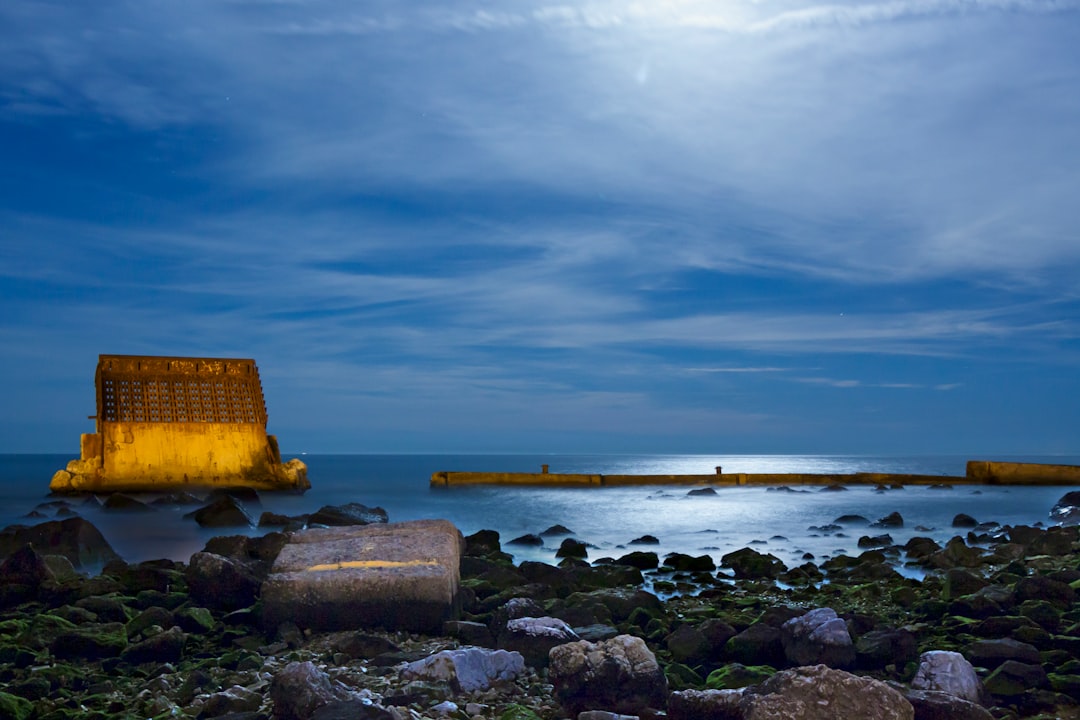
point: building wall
(178, 453)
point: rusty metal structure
(168, 422)
(139, 388)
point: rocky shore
(991, 630)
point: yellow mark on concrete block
(371, 564)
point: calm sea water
(608, 518)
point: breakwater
(978, 472)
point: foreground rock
(620, 675)
(393, 575)
(808, 693)
(467, 669)
(74, 538)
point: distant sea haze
(774, 521)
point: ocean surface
(778, 522)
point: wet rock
(74, 538)
(1040, 587)
(851, 520)
(687, 644)
(533, 637)
(527, 540)
(1066, 511)
(236, 699)
(220, 582)
(159, 616)
(956, 554)
(555, 530)
(878, 648)
(92, 642)
(681, 562)
(818, 637)
(640, 560)
(991, 653)
(300, 688)
(921, 547)
(892, 520)
(759, 644)
(469, 633)
(933, 705)
(1013, 678)
(645, 540)
(165, 647)
(873, 541)
(750, 564)
(705, 491)
(948, 672)
(705, 705)
(482, 543)
(348, 514)
(736, 675)
(571, 548)
(467, 669)
(355, 709)
(620, 675)
(962, 520)
(960, 582)
(818, 692)
(119, 502)
(225, 511)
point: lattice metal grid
(179, 390)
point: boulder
(224, 511)
(1013, 678)
(348, 514)
(216, 581)
(620, 675)
(531, 540)
(934, 705)
(165, 647)
(759, 644)
(571, 548)
(119, 502)
(878, 648)
(687, 644)
(948, 672)
(74, 538)
(400, 576)
(705, 705)
(236, 699)
(892, 520)
(467, 669)
(962, 520)
(736, 675)
(750, 564)
(818, 692)
(991, 653)
(1067, 510)
(533, 637)
(1040, 587)
(301, 688)
(640, 560)
(818, 637)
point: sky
(736, 226)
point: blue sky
(720, 227)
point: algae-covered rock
(90, 642)
(13, 707)
(737, 675)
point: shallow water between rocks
(770, 520)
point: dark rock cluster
(991, 630)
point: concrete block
(398, 576)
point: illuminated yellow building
(165, 423)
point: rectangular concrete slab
(398, 576)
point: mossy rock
(13, 628)
(736, 675)
(682, 677)
(13, 707)
(518, 712)
(1066, 684)
(195, 619)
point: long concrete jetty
(979, 472)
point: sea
(784, 523)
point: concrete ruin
(165, 423)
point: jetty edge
(978, 472)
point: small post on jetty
(719, 470)
(544, 469)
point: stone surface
(818, 637)
(878, 648)
(300, 688)
(620, 675)
(391, 575)
(818, 692)
(225, 511)
(467, 669)
(991, 653)
(948, 672)
(749, 563)
(348, 514)
(74, 538)
(534, 637)
(705, 705)
(933, 705)
(221, 582)
(1015, 678)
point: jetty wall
(979, 472)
